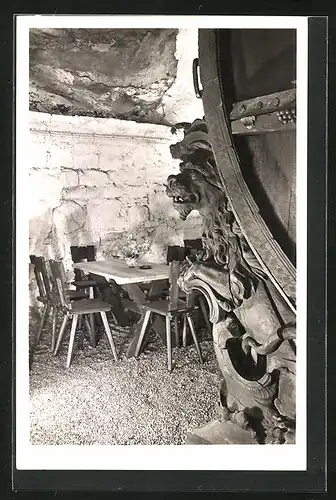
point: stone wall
(143, 75)
(95, 180)
(107, 73)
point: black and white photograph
(161, 254)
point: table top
(118, 270)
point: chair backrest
(41, 275)
(192, 247)
(174, 272)
(58, 275)
(82, 254)
(175, 253)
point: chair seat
(54, 299)
(77, 294)
(44, 300)
(84, 283)
(162, 307)
(89, 306)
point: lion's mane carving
(198, 187)
(253, 326)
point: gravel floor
(132, 401)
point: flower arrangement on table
(133, 249)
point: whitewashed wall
(95, 180)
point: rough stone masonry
(143, 75)
(95, 180)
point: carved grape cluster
(287, 116)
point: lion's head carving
(195, 188)
(198, 186)
(196, 142)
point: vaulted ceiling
(115, 73)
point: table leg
(142, 332)
(156, 288)
(138, 297)
(176, 328)
(159, 326)
(135, 293)
(110, 291)
(92, 318)
(131, 350)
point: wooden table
(121, 273)
(130, 279)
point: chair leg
(142, 317)
(44, 315)
(80, 321)
(91, 332)
(61, 333)
(142, 332)
(169, 344)
(184, 331)
(114, 317)
(109, 334)
(53, 335)
(193, 333)
(72, 339)
(92, 323)
(201, 300)
(92, 318)
(176, 331)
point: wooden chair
(192, 247)
(76, 309)
(82, 254)
(46, 296)
(171, 309)
(97, 285)
(178, 253)
(82, 281)
(175, 253)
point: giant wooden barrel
(248, 87)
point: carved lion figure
(254, 328)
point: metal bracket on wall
(272, 122)
(196, 80)
(264, 104)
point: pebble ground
(132, 401)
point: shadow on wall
(53, 232)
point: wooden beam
(263, 123)
(264, 104)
